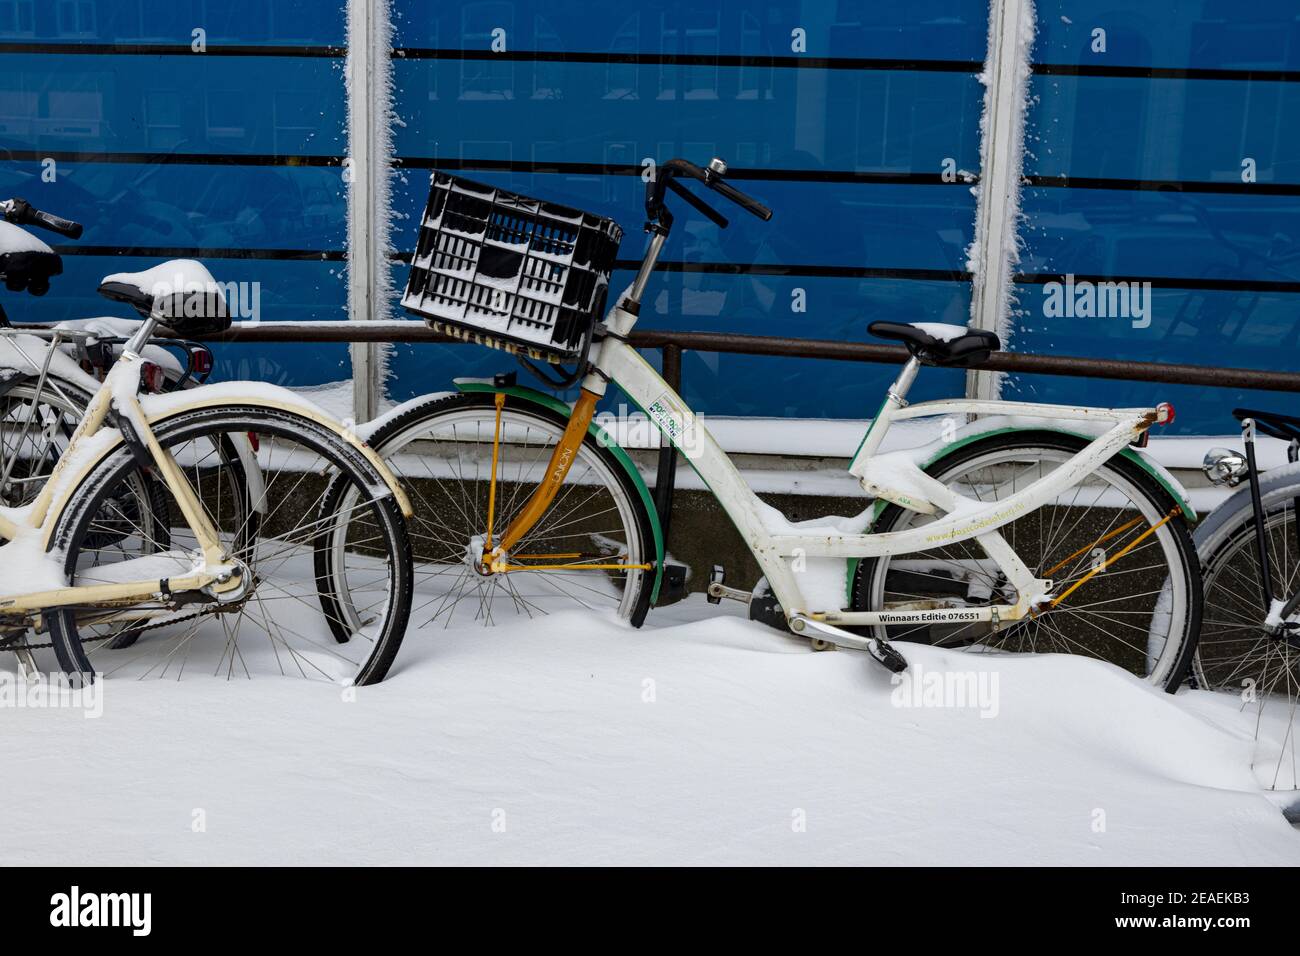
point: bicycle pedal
(718, 590)
(886, 654)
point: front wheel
(1237, 655)
(592, 549)
(281, 623)
(1142, 609)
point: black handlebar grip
(740, 199)
(64, 227)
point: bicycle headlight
(1223, 466)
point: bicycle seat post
(895, 399)
(136, 343)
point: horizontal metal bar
(42, 46)
(1167, 72)
(726, 342)
(449, 164)
(1163, 185)
(971, 67)
(171, 158)
(101, 48)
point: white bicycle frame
(963, 519)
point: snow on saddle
(181, 294)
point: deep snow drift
(701, 739)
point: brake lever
(718, 219)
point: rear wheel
(1140, 612)
(268, 522)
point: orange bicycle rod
(562, 458)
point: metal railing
(673, 344)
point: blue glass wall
(1164, 148)
(847, 141)
(843, 115)
(229, 155)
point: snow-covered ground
(700, 739)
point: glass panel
(1158, 235)
(1197, 327)
(109, 123)
(275, 22)
(1170, 34)
(923, 29)
(859, 150)
(1181, 186)
(821, 224)
(878, 120)
(204, 207)
(1164, 129)
(116, 103)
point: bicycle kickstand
(26, 664)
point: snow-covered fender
(159, 408)
(526, 394)
(973, 433)
(9, 378)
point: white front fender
(159, 408)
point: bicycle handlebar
(748, 203)
(22, 213)
(712, 176)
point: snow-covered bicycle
(1250, 553)
(1037, 528)
(196, 509)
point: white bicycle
(1037, 528)
(178, 531)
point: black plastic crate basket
(515, 273)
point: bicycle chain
(12, 643)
